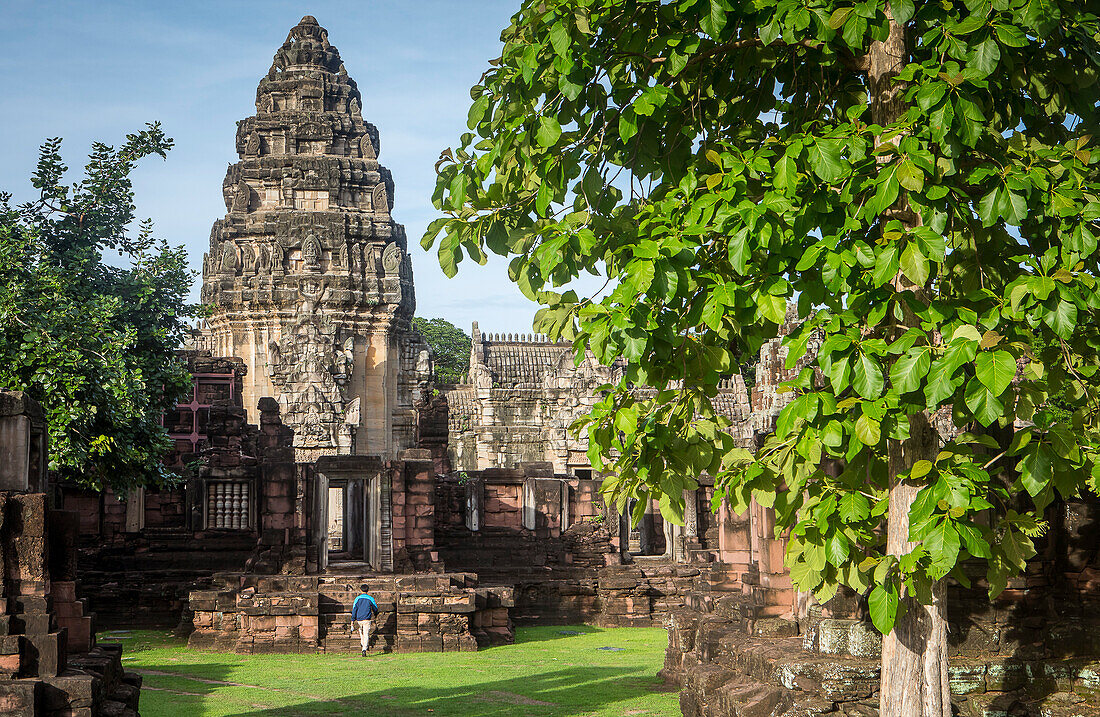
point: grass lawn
(545, 674)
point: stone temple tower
(308, 274)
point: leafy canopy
(717, 161)
(450, 348)
(94, 343)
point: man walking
(363, 611)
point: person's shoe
(364, 653)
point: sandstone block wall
(49, 664)
(418, 613)
(1034, 651)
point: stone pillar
(22, 443)
(648, 531)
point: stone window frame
(207, 521)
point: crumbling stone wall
(49, 663)
(251, 614)
(1033, 651)
(141, 554)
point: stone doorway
(349, 521)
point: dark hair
(365, 588)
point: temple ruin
(308, 274)
(316, 453)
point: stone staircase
(432, 612)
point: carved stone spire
(308, 272)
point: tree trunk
(914, 681)
(914, 655)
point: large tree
(93, 341)
(918, 177)
(450, 347)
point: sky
(89, 71)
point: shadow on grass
(544, 633)
(557, 693)
(564, 692)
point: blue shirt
(364, 608)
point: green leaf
(840, 374)
(883, 604)
(867, 430)
(985, 405)
(1036, 470)
(973, 540)
(1063, 320)
(548, 133)
(786, 173)
(867, 377)
(825, 159)
(713, 22)
(559, 38)
(995, 369)
(886, 264)
(985, 57)
(477, 111)
(853, 507)
(941, 383)
(836, 549)
(943, 545)
(628, 124)
(839, 17)
(920, 469)
(774, 308)
(910, 177)
(739, 251)
(1010, 36)
(902, 10)
(914, 264)
(909, 369)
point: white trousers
(364, 627)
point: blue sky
(90, 71)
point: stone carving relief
(229, 259)
(480, 376)
(242, 198)
(252, 148)
(340, 255)
(570, 393)
(366, 148)
(312, 131)
(311, 252)
(379, 201)
(312, 365)
(352, 415)
(263, 261)
(313, 293)
(391, 258)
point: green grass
(545, 674)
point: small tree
(94, 343)
(450, 347)
(918, 176)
